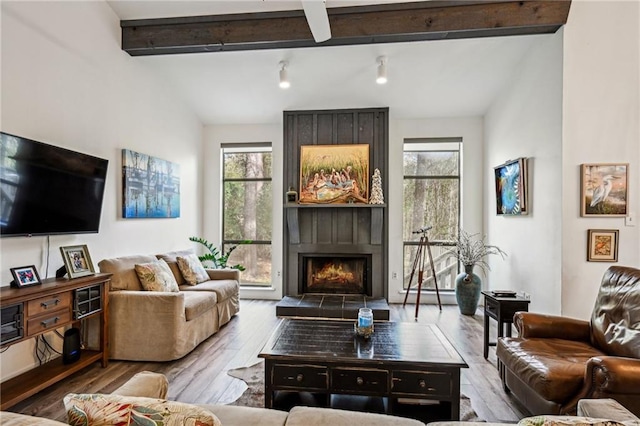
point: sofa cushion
(237, 415)
(8, 418)
(312, 416)
(172, 260)
(124, 275)
(156, 276)
(99, 409)
(224, 289)
(192, 269)
(554, 368)
(198, 302)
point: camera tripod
(418, 263)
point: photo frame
(25, 276)
(334, 174)
(511, 184)
(602, 245)
(77, 261)
(604, 189)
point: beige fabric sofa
(164, 326)
(154, 385)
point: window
(247, 210)
(431, 199)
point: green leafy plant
(215, 256)
(471, 250)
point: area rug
(253, 376)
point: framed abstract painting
(511, 187)
(604, 189)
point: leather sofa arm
(531, 324)
(612, 374)
(224, 274)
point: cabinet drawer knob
(49, 322)
(422, 383)
(299, 378)
(360, 381)
(48, 303)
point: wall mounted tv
(47, 190)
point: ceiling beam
(386, 23)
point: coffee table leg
(268, 392)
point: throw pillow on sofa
(566, 421)
(192, 269)
(99, 409)
(156, 276)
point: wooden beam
(386, 23)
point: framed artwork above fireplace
(334, 174)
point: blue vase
(468, 286)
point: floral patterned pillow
(192, 269)
(156, 276)
(566, 421)
(98, 410)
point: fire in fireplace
(335, 274)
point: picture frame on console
(602, 245)
(25, 276)
(77, 260)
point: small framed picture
(604, 190)
(25, 276)
(602, 245)
(77, 261)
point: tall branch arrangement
(471, 250)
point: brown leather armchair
(556, 361)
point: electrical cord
(46, 342)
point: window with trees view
(431, 199)
(247, 210)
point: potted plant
(471, 250)
(215, 257)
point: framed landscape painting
(604, 189)
(511, 187)
(334, 174)
(150, 186)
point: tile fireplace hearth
(331, 306)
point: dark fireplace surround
(335, 231)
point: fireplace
(335, 274)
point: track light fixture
(284, 77)
(382, 70)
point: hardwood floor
(200, 377)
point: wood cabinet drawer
(359, 380)
(421, 383)
(46, 322)
(300, 376)
(51, 303)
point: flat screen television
(48, 190)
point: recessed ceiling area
(446, 78)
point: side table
(501, 309)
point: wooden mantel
(382, 23)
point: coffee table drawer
(300, 376)
(421, 383)
(359, 380)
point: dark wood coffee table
(407, 361)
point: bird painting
(602, 192)
(604, 189)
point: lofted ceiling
(445, 78)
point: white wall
(66, 82)
(525, 120)
(601, 124)
(470, 130)
(214, 137)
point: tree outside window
(431, 198)
(247, 210)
